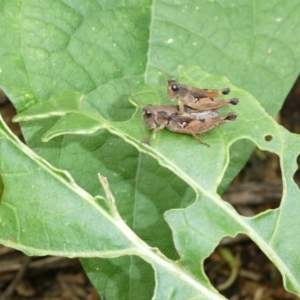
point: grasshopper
(190, 122)
(198, 99)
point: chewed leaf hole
(240, 270)
(268, 138)
(290, 113)
(297, 173)
(8, 112)
(258, 187)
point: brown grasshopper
(191, 121)
(198, 99)
(167, 116)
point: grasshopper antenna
(165, 75)
(163, 70)
(137, 100)
(132, 92)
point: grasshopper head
(173, 89)
(149, 116)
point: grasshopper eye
(147, 113)
(174, 87)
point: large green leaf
(87, 49)
(194, 233)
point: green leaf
(93, 222)
(78, 54)
(51, 225)
(187, 228)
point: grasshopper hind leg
(199, 140)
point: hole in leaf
(290, 113)
(268, 138)
(258, 187)
(240, 270)
(8, 111)
(297, 173)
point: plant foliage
(147, 232)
